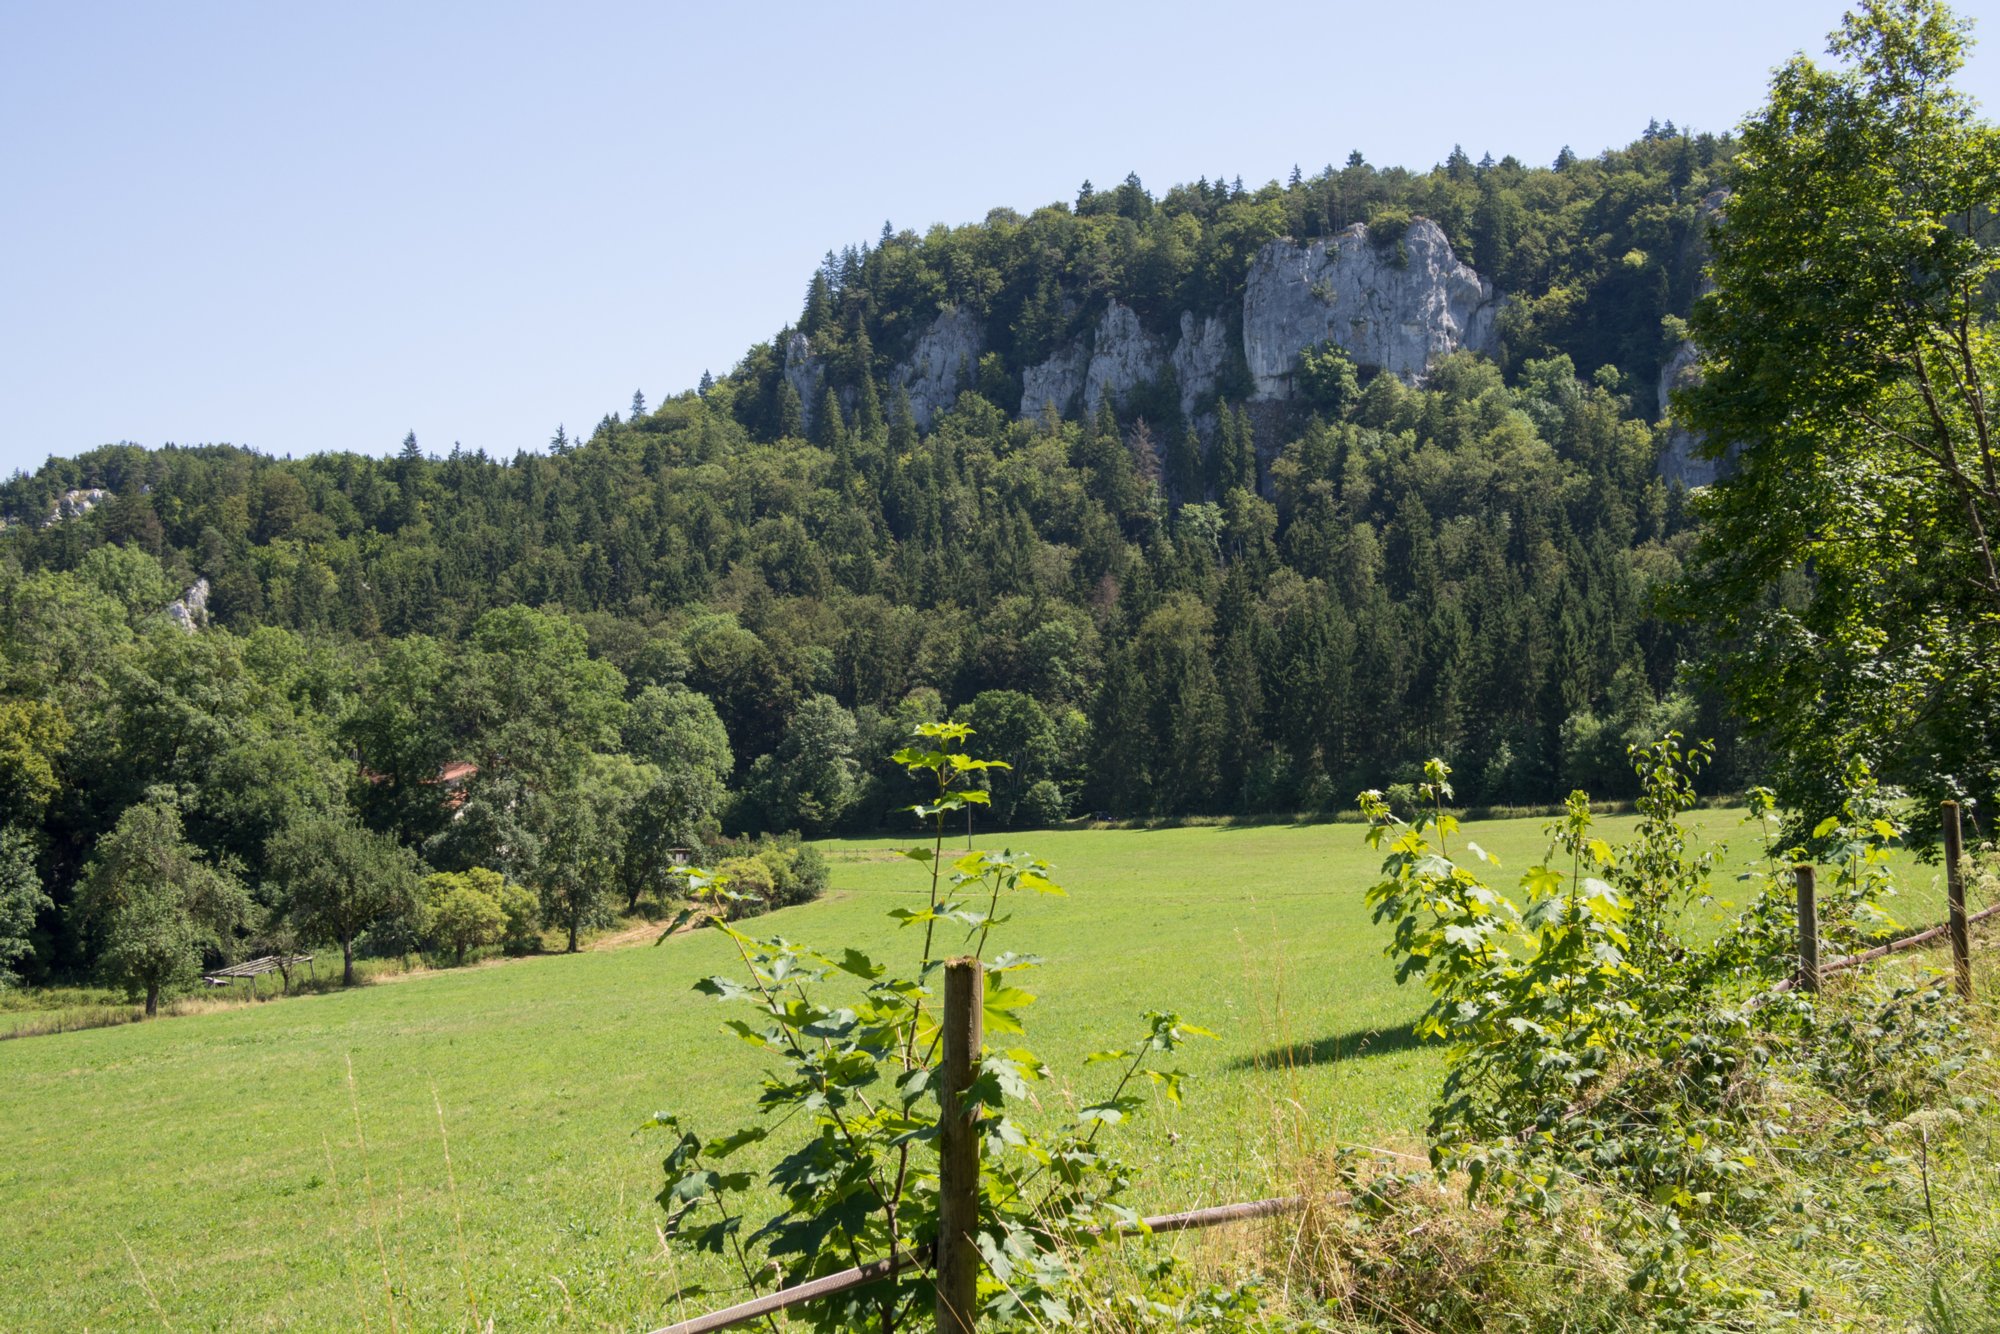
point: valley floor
(462, 1149)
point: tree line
(559, 666)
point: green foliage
(859, 1077)
(341, 880)
(576, 876)
(21, 901)
(468, 910)
(157, 903)
(1610, 1066)
(1326, 379)
(1847, 564)
(809, 782)
(33, 735)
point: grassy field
(285, 1165)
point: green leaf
(735, 1140)
(854, 961)
(1540, 881)
(724, 988)
(1040, 883)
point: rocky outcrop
(190, 610)
(1681, 460)
(71, 504)
(1122, 356)
(1059, 380)
(1200, 357)
(1397, 307)
(942, 365)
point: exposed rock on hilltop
(1396, 307)
(70, 504)
(942, 364)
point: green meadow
(458, 1147)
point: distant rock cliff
(1397, 306)
(190, 610)
(941, 366)
(71, 504)
(1681, 461)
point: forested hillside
(1156, 606)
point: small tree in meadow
(337, 880)
(462, 910)
(578, 875)
(158, 903)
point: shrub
(523, 911)
(798, 874)
(1386, 228)
(1614, 1074)
(1043, 804)
(1403, 800)
(462, 911)
(786, 872)
(750, 880)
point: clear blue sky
(317, 227)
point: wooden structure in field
(252, 969)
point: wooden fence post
(1954, 889)
(958, 1149)
(1808, 929)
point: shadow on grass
(1353, 1045)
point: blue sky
(306, 228)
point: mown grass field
(284, 1165)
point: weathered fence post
(958, 1149)
(1808, 929)
(1954, 891)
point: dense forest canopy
(700, 616)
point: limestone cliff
(1120, 356)
(941, 365)
(1681, 462)
(1397, 307)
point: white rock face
(1059, 380)
(71, 504)
(1123, 356)
(1396, 311)
(1199, 356)
(1680, 461)
(1399, 308)
(190, 610)
(941, 366)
